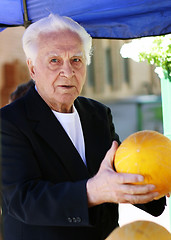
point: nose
(67, 70)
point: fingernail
(156, 194)
(140, 178)
(152, 187)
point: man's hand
(109, 186)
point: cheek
(82, 74)
(42, 73)
(81, 79)
(41, 78)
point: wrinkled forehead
(63, 40)
(59, 53)
(61, 36)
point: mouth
(66, 86)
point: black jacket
(44, 178)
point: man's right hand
(109, 186)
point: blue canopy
(120, 19)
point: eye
(76, 60)
(54, 60)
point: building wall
(109, 77)
(13, 69)
(115, 77)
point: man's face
(60, 69)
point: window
(109, 67)
(126, 70)
(90, 74)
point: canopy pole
(166, 108)
(25, 15)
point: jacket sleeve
(155, 207)
(30, 199)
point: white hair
(54, 23)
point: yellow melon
(140, 230)
(147, 153)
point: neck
(62, 109)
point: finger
(128, 178)
(136, 189)
(111, 153)
(112, 150)
(140, 199)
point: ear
(31, 68)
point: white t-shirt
(72, 125)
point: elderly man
(58, 148)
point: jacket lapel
(49, 128)
(93, 130)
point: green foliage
(159, 54)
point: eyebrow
(79, 54)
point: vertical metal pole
(166, 107)
(25, 14)
(139, 117)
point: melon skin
(140, 230)
(147, 153)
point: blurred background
(132, 91)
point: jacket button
(74, 219)
(78, 219)
(69, 220)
